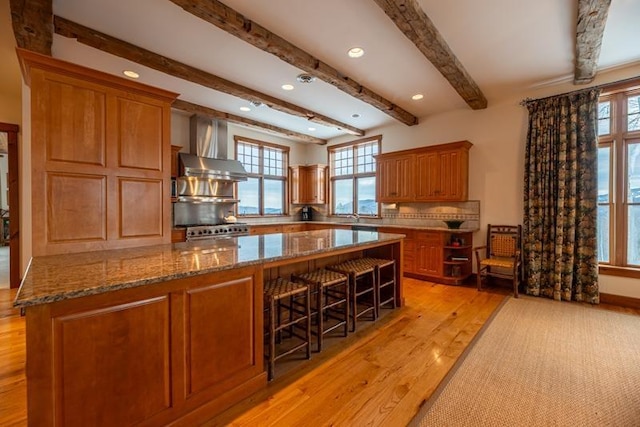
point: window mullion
(619, 240)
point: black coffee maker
(307, 213)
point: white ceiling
(507, 46)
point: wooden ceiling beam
(126, 50)
(32, 22)
(417, 27)
(238, 25)
(216, 114)
(592, 17)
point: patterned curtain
(560, 197)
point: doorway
(9, 208)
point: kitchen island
(163, 334)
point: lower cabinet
(178, 235)
(428, 253)
(437, 255)
(265, 229)
(153, 354)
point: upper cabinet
(100, 153)
(394, 176)
(308, 184)
(175, 150)
(428, 174)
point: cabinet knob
(393, 193)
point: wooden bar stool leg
(320, 314)
(308, 310)
(272, 338)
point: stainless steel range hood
(208, 140)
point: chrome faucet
(355, 216)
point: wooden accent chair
(503, 255)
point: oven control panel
(213, 231)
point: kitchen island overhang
(163, 333)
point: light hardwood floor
(377, 376)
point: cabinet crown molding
(29, 60)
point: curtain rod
(601, 86)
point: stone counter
(59, 277)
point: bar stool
(385, 272)
(331, 291)
(361, 284)
(283, 294)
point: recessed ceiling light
(245, 109)
(355, 52)
(287, 87)
(355, 115)
(417, 96)
(131, 74)
(312, 129)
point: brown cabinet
(437, 255)
(428, 253)
(442, 175)
(175, 149)
(308, 184)
(293, 228)
(157, 353)
(457, 256)
(265, 229)
(395, 178)
(426, 174)
(100, 158)
(178, 235)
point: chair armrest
(477, 250)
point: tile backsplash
(413, 214)
(433, 214)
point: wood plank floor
(377, 376)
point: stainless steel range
(202, 232)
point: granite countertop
(57, 277)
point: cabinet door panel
(140, 135)
(395, 179)
(146, 219)
(221, 335)
(76, 208)
(95, 389)
(450, 180)
(295, 185)
(74, 123)
(429, 253)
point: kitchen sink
(364, 227)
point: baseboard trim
(620, 301)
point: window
(619, 178)
(264, 192)
(353, 177)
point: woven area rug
(544, 363)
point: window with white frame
(353, 177)
(264, 192)
(619, 178)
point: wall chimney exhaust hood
(208, 140)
